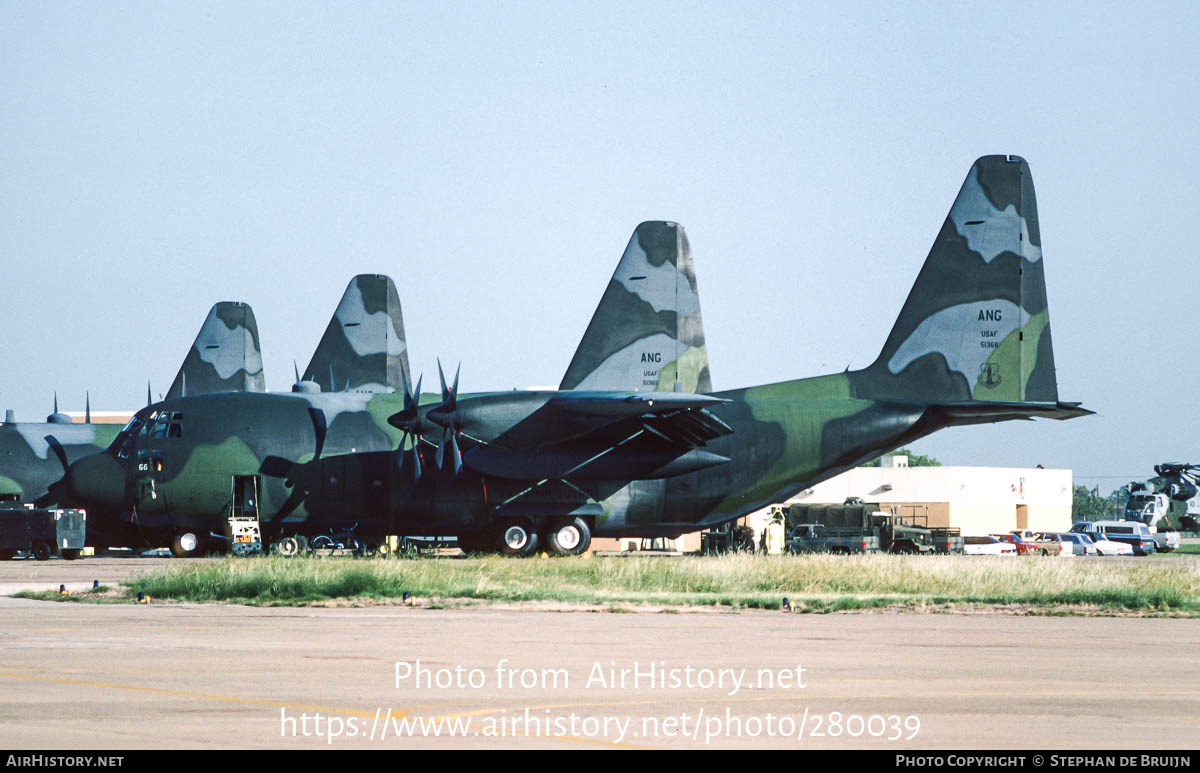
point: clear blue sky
(494, 157)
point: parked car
(1080, 544)
(987, 546)
(1032, 545)
(1066, 547)
(1107, 547)
(1023, 548)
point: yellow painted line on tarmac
(395, 714)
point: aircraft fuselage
(787, 436)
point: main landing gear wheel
(517, 538)
(186, 544)
(70, 554)
(42, 551)
(569, 539)
(288, 547)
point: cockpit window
(160, 424)
(124, 440)
(163, 424)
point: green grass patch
(811, 583)
(98, 595)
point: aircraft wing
(640, 436)
(677, 417)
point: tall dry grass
(740, 580)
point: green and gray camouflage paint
(225, 357)
(975, 326)
(28, 463)
(647, 334)
(363, 349)
(971, 345)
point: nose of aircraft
(98, 478)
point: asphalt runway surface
(76, 676)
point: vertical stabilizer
(363, 349)
(225, 356)
(646, 334)
(975, 326)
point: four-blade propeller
(415, 425)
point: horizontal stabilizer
(988, 412)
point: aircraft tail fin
(647, 334)
(225, 356)
(975, 327)
(363, 349)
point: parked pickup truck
(42, 532)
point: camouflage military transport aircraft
(224, 356)
(657, 457)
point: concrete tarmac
(75, 676)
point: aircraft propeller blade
(57, 489)
(446, 415)
(456, 454)
(58, 450)
(416, 454)
(408, 420)
(319, 428)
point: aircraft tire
(186, 543)
(572, 538)
(70, 554)
(42, 551)
(288, 547)
(517, 538)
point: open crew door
(244, 527)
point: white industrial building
(977, 500)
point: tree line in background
(1089, 505)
